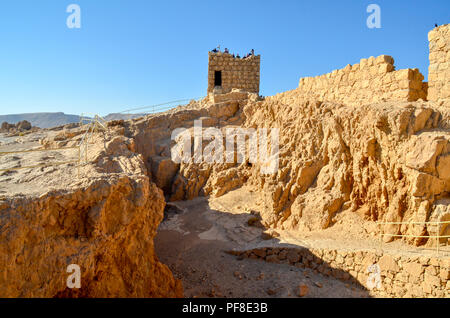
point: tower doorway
(218, 78)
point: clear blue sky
(141, 52)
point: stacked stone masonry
(238, 73)
(439, 70)
(372, 80)
(401, 275)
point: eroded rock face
(103, 221)
(153, 139)
(378, 159)
(5, 127)
(387, 162)
(21, 126)
(163, 172)
(106, 228)
(382, 160)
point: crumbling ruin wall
(241, 73)
(401, 274)
(372, 80)
(439, 70)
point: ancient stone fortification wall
(236, 73)
(439, 70)
(372, 80)
(401, 275)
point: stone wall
(234, 95)
(372, 80)
(242, 73)
(439, 70)
(402, 275)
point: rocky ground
(33, 180)
(196, 237)
(341, 169)
(194, 240)
(102, 219)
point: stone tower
(226, 72)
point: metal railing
(95, 124)
(158, 108)
(436, 223)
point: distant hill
(42, 120)
(48, 120)
(117, 116)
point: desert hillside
(50, 120)
(359, 175)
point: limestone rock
(163, 172)
(23, 125)
(106, 228)
(388, 264)
(103, 220)
(302, 290)
(387, 160)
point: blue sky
(135, 53)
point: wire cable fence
(437, 229)
(158, 108)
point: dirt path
(193, 241)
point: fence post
(79, 161)
(381, 236)
(437, 237)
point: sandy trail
(193, 241)
(195, 236)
